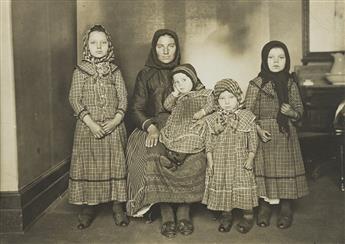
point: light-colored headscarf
(101, 65)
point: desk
(317, 135)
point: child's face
(182, 82)
(98, 44)
(227, 101)
(166, 49)
(276, 59)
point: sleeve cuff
(146, 124)
(298, 117)
(121, 111)
(174, 95)
(82, 114)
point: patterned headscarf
(227, 116)
(230, 86)
(86, 51)
(153, 61)
(190, 71)
(279, 80)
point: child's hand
(175, 92)
(248, 165)
(265, 136)
(110, 125)
(96, 130)
(198, 115)
(209, 163)
(287, 110)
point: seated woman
(180, 136)
(148, 181)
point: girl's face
(227, 101)
(276, 59)
(166, 49)
(182, 82)
(98, 44)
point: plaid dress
(231, 185)
(279, 167)
(98, 170)
(177, 134)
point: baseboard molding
(19, 209)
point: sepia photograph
(172, 121)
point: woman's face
(166, 49)
(227, 101)
(182, 82)
(276, 59)
(98, 44)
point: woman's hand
(97, 130)
(110, 125)
(152, 136)
(287, 110)
(264, 135)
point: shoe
(285, 215)
(264, 213)
(152, 214)
(225, 222)
(120, 219)
(284, 221)
(245, 225)
(168, 229)
(87, 215)
(185, 227)
(119, 216)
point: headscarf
(230, 117)
(230, 86)
(86, 51)
(279, 80)
(190, 71)
(153, 61)
(101, 65)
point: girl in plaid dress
(231, 142)
(178, 135)
(98, 97)
(275, 100)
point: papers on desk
(308, 82)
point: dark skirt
(149, 182)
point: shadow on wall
(237, 18)
(224, 39)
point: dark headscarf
(153, 61)
(279, 80)
(190, 71)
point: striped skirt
(98, 167)
(149, 182)
(279, 168)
